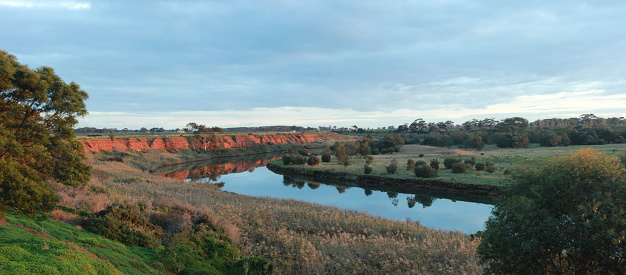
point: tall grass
(301, 237)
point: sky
(319, 63)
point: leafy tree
(392, 167)
(565, 218)
(37, 143)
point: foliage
(459, 167)
(313, 160)
(326, 157)
(564, 218)
(410, 165)
(479, 166)
(367, 169)
(434, 163)
(369, 160)
(424, 171)
(123, 223)
(448, 162)
(392, 167)
(37, 142)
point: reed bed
(298, 237)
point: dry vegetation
(298, 237)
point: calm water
(243, 177)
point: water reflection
(210, 171)
(247, 176)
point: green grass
(503, 158)
(63, 249)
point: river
(249, 176)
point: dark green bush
(313, 160)
(367, 169)
(326, 157)
(434, 163)
(448, 162)
(393, 167)
(369, 160)
(124, 224)
(459, 167)
(424, 171)
(479, 166)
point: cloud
(367, 56)
(562, 104)
(71, 5)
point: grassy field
(503, 158)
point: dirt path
(413, 149)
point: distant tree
(564, 218)
(143, 130)
(38, 111)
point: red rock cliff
(222, 142)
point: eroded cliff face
(221, 142)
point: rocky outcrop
(220, 142)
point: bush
(471, 161)
(287, 159)
(424, 171)
(459, 167)
(326, 157)
(448, 162)
(434, 163)
(369, 160)
(313, 160)
(393, 167)
(123, 224)
(410, 165)
(537, 228)
(421, 155)
(479, 166)
(367, 169)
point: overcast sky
(311, 63)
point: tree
(565, 218)
(37, 142)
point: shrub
(410, 165)
(369, 160)
(393, 167)
(313, 160)
(123, 224)
(459, 167)
(471, 162)
(537, 228)
(326, 157)
(367, 169)
(434, 163)
(424, 171)
(448, 162)
(421, 155)
(287, 159)
(479, 166)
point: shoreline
(479, 193)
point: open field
(503, 158)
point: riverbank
(297, 237)
(479, 193)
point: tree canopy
(38, 111)
(566, 218)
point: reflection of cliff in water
(424, 198)
(211, 170)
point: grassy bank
(297, 237)
(504, 160)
